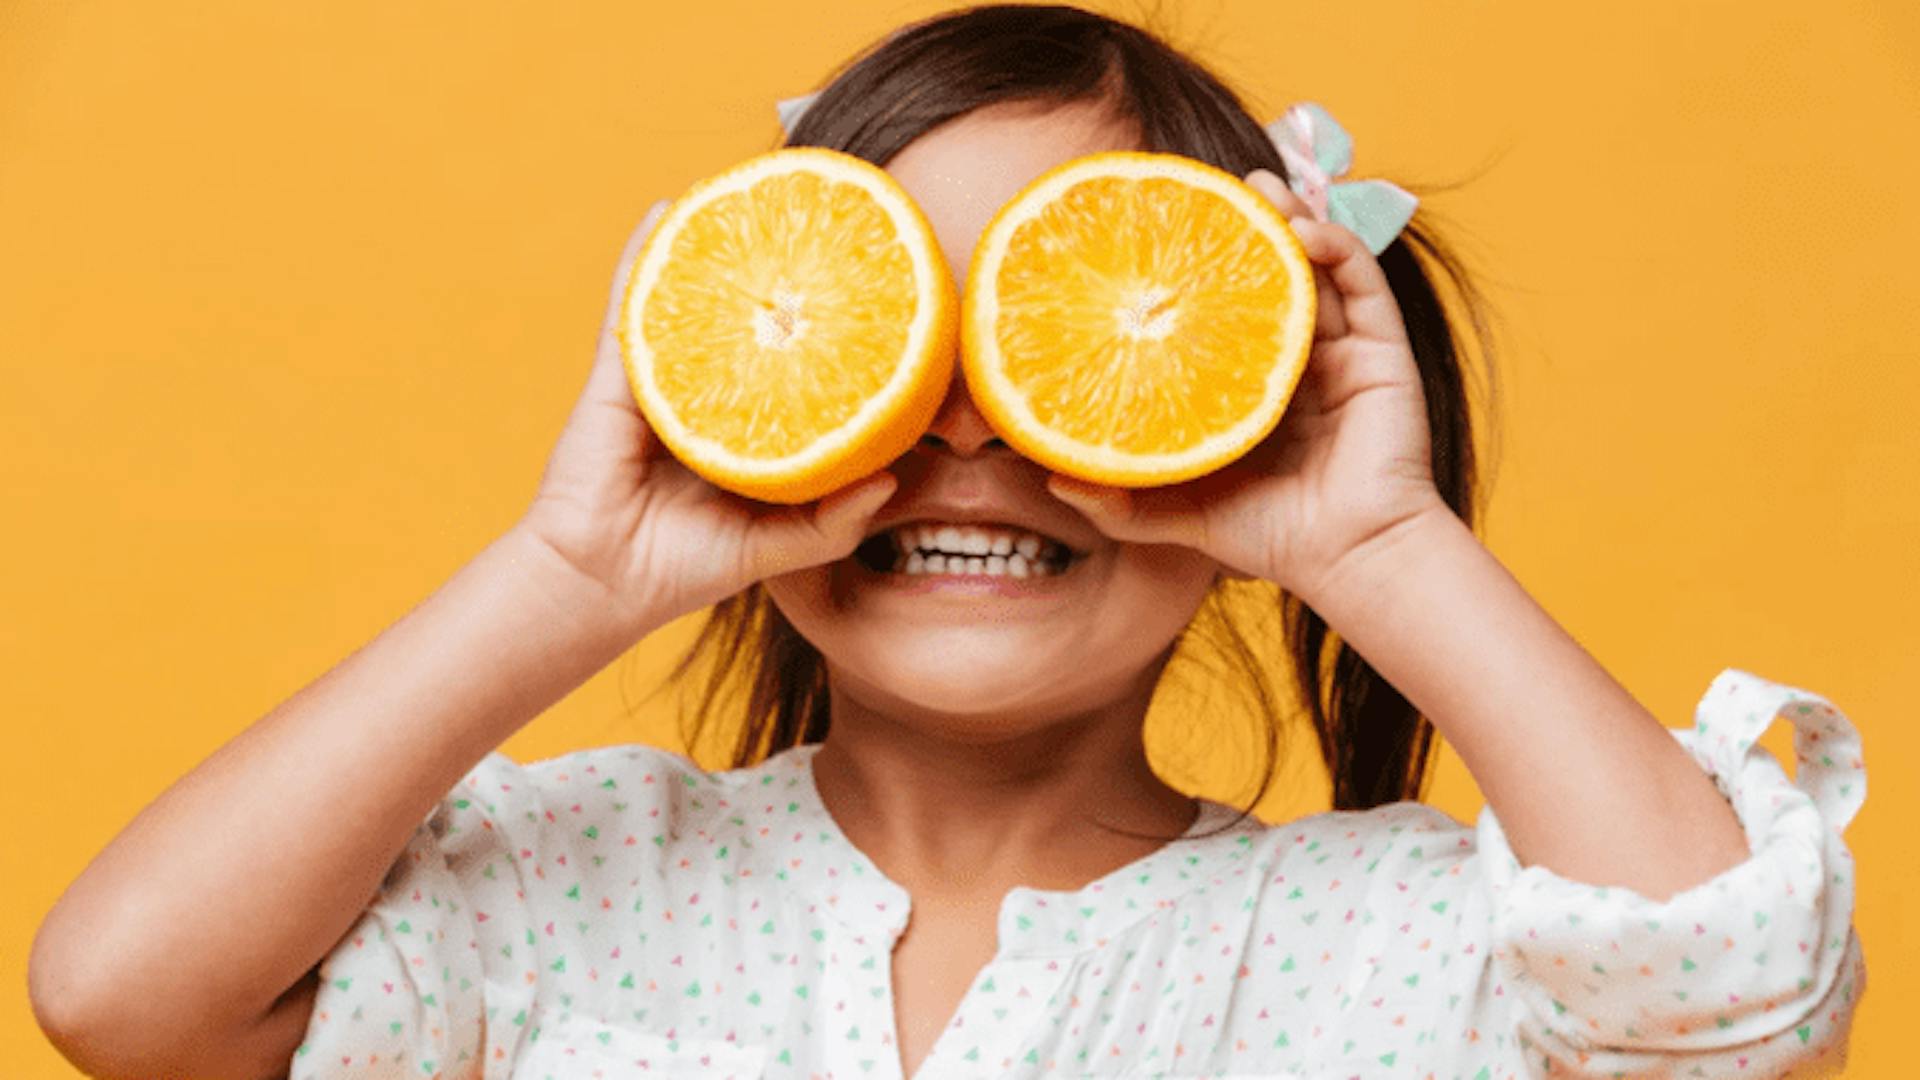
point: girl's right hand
(658, 540)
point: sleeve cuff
(1762, 951)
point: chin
(955, 670)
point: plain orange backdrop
(295, 298)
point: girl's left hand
(1350, 462)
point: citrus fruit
(789, 325)
(1136, 319)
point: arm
(266, 853)
(1339, 507)
(324, 792)
(1584, 780)
(1710, 962)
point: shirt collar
(818, 866)
(809, 851)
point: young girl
(942, 852)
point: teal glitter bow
(1316, 149)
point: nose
(958, 426)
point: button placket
(1000, 1025)
(1001, 1021)
(856, 1008)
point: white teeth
(992, 566)
(973, 549)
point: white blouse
(619, 912)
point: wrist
(1410, 544)
(583, 608)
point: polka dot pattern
(618, 911)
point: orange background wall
(295, 298)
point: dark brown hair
(1374, 744)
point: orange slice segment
(1136, 319)
(789, 326)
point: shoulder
(1403, 863)
(628, 796)
(502, 786)
(1396, 831)
(1386, 855)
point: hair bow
(1316, 149)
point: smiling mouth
(932, 548)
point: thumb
(801, 536)
(1150, 516)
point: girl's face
(981, 654)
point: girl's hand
(1350, 461)
(658, 540)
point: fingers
(1353, 292)
(1278, 193)
(802, 536)
(1364, 296)
(1147, 516)
(1330, 320)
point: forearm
(1584, 780)
(232, 884)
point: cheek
(1155, 590)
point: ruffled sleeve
(1755, 972)
(444, 952)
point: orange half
(789, 326)
(1136, 319)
